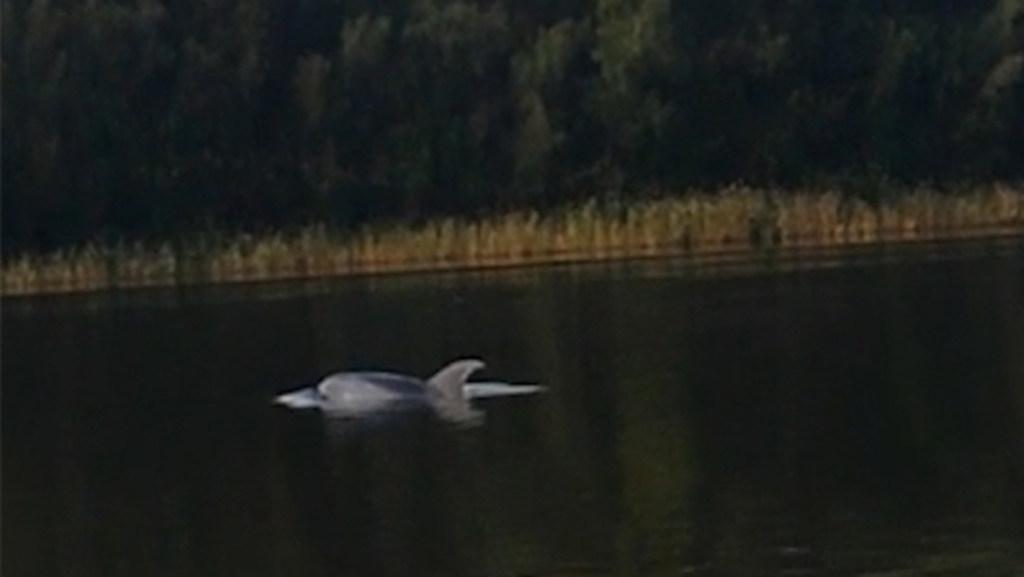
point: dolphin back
(448, 382)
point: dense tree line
(149, 118)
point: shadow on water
(849, 420)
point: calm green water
(863, 418)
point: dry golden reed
(735, 219)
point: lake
(849, 415)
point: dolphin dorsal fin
(448, 381)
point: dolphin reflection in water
(369, 393)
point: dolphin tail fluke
(307, 398)
(484, 390)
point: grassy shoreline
(734, 220)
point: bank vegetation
(734, 220)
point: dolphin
(362, 393)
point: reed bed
(733, 220)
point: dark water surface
(851, 420)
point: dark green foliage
(143, 118)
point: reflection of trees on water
(653, 435)
(120, 483)
(852, 424)
(710, 446)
